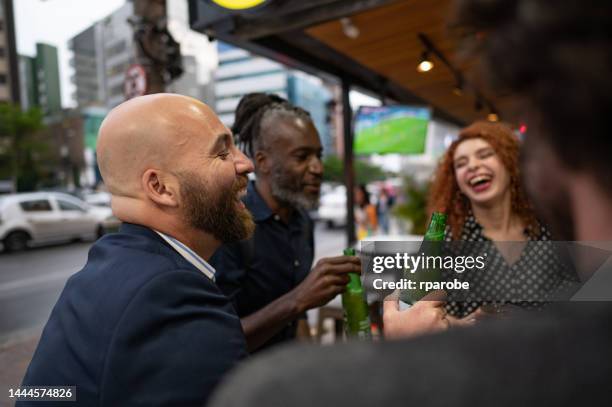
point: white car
(30, 219)
(100, 198)
(332, 207)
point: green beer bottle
(431, 246)
(356, 312)
(437, 228)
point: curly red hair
(445, 196)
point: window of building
(2, 52)
(116, 49)
(117, 69)
(2, 79)
(39, 205)
(117, 90)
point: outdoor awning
(382, 58)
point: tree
(415, 207)
(19, 146)
(333, 171)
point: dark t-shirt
(558, 357)
(274, 261)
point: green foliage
(19, 147)
(415, 207)
(333, 171)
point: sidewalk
(14, 358)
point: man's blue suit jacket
(138, 325)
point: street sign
(135, 81)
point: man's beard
(289, 190)
(216, 212)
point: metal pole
(150, 13)
(349, 174)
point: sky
(54, 22)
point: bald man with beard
(143, 323)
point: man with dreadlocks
(269, 277)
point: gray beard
(287, 196)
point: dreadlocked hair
(252, 109)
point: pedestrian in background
(383, 209)
(365, 213)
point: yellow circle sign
(238, 4)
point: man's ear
(262, 162)
(161, 187)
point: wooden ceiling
(388, 45)
(382, 58)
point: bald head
(151, 131)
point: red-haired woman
(478, 181)
(478, 185)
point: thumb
(434, 299)
(461, 322)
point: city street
(31, 281)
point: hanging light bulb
(426, 64)
(458, 89)
(493, 116)
(348, 28)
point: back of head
(560, 63)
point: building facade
(101, 56)
(241, 72)
(9, 74)
(39, 80)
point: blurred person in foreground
(478, 185)
(269, 277)
(560, 356)
(143, 323)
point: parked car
(97, 198)
(332, 207)
(30, 219)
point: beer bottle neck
(349, 251)
(437, 226)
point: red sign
(135, 81)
